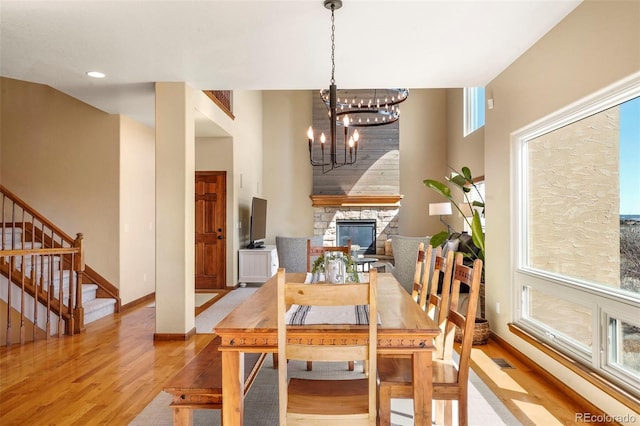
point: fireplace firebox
(361, 232)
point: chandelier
(351, 109)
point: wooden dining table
(251, 327)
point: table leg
(422, 387)
(232, 388)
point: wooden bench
(199, 384)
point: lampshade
(442, 209)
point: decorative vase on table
(343, 268)
(334, 268)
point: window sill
(587, 374)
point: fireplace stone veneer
(386, 217)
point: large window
(473, 109)
(578, 219)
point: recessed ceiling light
(95, 74)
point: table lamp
(441, 209)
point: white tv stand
(257, 265)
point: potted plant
(349, 265)
(463, 180)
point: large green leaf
(439, 238)
(439, 187)
(476, 233)
(458, 180)
(467, 174)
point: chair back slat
(325, 294)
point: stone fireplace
(381, 211)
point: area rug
(208, 319)
(261, 403)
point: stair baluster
(47, 268)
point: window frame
(605, 303)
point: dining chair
(316, 251)
(304, 401)
(292, 251)
(450, 379)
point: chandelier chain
(333, 45)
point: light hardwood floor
(110, 373)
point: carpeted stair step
(88, 292)
(98, 308)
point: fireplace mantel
(343, 200)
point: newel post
(78, 267)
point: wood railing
(44, 269)
(222, 98)
(39, 304)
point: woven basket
(481, 332)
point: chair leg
(448, 412)
(351, 365)
(309, 365)
(384, 405)
(438, 412)
(275, 361)
(463, 408)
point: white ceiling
(263, 44)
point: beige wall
(596, 45)
(62, 157)
(247, 164)
(137, 210)
(423, 155)
(288, 174)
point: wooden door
(211, 230)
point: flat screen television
(258, 225)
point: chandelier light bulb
(310, 134)
(356, 135)
(351, 142)
(323, 139)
